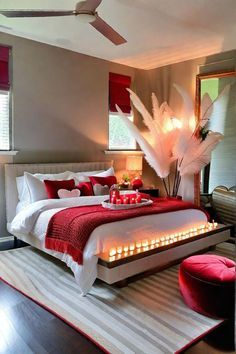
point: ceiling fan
(86, 10)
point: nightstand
(153, 192)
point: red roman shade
(4, 68)
(118, 93)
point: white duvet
(34, 220)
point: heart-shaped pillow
(64, 193)
(100, 190)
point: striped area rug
(148, 316)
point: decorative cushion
(31, 188)
(86, 189)
(52, 187)
(100, 190)
(103, 181)
(207, 284)
(64, 193)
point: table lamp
(134, 166)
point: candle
(125, 200)
(131, 246)
(153, 242)
(126, 248)
(118, 201)
(138, 244)
(138, 198)
(132, 201)
(144, 243)
(112, 252)
(112, 259)
(113, 200)
(119, 249)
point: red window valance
(118, 93)
(4, 68)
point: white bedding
(34, 220)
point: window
(4, 99)
(4, 121)
(119, 136)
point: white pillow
(22, 192)
(84, 176)
(35, 186)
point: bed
(30, 225)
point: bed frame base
(152, 263)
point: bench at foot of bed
(146, 260)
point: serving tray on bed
(112, 206)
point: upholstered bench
(207, 284)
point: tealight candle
(118, 201)
(138, 198)
(126, 248)
(144, 243)
(153, 242)
(138, 244)
(131, 246)
(119, 249)
(112, 259)
(112, 251)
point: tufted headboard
(14, 170)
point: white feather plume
(198, 154)
(206, 110)
(156, 160)
(188, 103)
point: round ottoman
(207, 283)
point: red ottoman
(207, 283)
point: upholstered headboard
(14, 170)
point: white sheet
(34, 220)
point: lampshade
(134, 163)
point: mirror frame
(199, 77)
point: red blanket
(69, 229)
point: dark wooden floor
(27, 328)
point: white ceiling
(158, 32)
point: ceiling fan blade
(35, 13)
(89, 5)
(107, 31)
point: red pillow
(86, 189)
(104, 181)
(52, 187)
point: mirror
(222, 168)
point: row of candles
(165, 240)
(132, 198)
